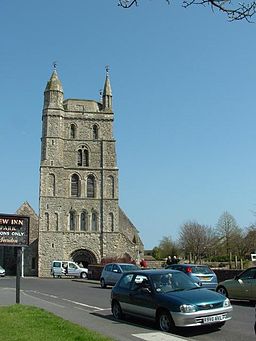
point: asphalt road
(85, 303)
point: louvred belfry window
(90, 186)
(74, 185)
(79, 157)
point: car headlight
(226, 303)
(187, 308)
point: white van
(67, 268)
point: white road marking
(83, 304)
(40, 299)
(158, 336)
(74, 302)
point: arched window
(90, 186)
(79, 157)
(111, 221)
(95, 132)
(75, 185)
(94, 222)
(72, 131)
(84, 221)
(72, 220)
(111, 186)
(56, 221)
(86, 158)
(47, 221)
(83, 157)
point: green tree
(234, 9)
(250, 239)
(167, 247)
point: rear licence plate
(204, 278)
(215, 318)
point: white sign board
(253, 256)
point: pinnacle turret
(53, 94)
(107, 92)
(54, 83)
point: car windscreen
(128, 267)
(172, 281)
(201, 270)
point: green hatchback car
(169, 298)
(241, 287)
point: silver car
(112, 272)
(2, 271)
(67, 268)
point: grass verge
(26, 323)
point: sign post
(18, 275)
(14, 231)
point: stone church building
(79, 214)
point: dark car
(200, 274)
(112, 272)
(241, 287)
(170, 298)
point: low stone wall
(223, 274)
(94, 271)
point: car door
(245, 285)
(107, 273)
(73, 269)
(115, 274)
(141, 298)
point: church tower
(79, 217)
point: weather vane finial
(107, 69)
(54, 64)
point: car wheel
(83, 275)
(222, 291)
(165, 321)
(117, 311)
(102, 283)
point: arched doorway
(83, 257)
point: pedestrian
(133, 261)
(65, 266)
(169, 260)
(143, 263)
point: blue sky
(183, 83)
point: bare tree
(228, 232)
(234, 9)
(196, 239)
